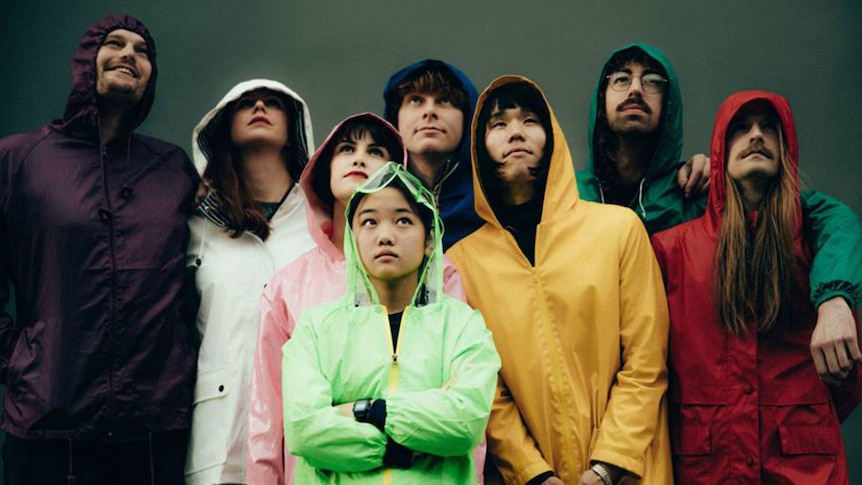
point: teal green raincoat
(438, 387)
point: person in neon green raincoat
(397, 393)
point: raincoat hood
(669, 148)
(81, 117)
(207, 128)
(560, 192)
(318, 212)
(718, 150)
(430, 274)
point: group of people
(430, 296)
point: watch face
(361, 409)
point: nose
(259, 105)
(756, 131)
(359, 161)
(516, 131)
(128, 52)
(428, 109)
(385, 235)
(636, 87)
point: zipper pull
(395, 359)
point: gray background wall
(338, 54)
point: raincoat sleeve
(632, 416)
(834, 231)
(265, 460)
(450, 421)
(512, 449)
(8, 334)
(313, 428)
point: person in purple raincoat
(99, 361)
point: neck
(752, 193)
(395, 295)
(633, 157)
(265, 174)
(113, 122)
(517, 193)
(338, 222)
(427, 166)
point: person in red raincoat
(747, 404)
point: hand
(693, 177)
(345, 409)
(555, 481)
(590, 478)
(834, 342)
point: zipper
(113, 300)
(393, 366)
(544, 314)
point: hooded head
(218, 159)
(668, 132)
(316, 178)
(411, 249)
(393, 94)
(554, 171)
(757, 252)
(81, 117)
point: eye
(444, 100)
(620, 79)
(653, 80)
(112, 43)
(245, 103)
(494, 124)
(530, 120)
(378, 152)
(367, 222)
(404, 221)
(770, 126)
(345, 148)
(415, 99)
(273, 102)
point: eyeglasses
(651, 83)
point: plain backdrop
(338, 55)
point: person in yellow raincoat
(572, 293)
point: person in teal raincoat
(393, 382)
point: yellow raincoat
(582, 335)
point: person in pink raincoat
(356, 148)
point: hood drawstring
(641, 197)
(70, 477)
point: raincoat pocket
(210, 435)
(808, 440)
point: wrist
(834, 303)
(361, 410)
(607, 472)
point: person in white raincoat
(250, 149)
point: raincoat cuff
(532, 471)
(538, 479)
(624, 462)
(831, 289)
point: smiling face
(515, 142)
(123, 67)
(430, 124)
(632, 110)
(352, 162)
(753, 143)
(259, 119)
(391, 237)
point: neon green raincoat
(342, 352)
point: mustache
(757, 147)
(639, 102)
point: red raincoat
(748, 409)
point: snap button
(749, 461)
(126, 192)
(104, 214)
(221, 388)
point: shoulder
(171, 154)
(669, 239)
(20, 145)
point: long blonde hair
(754, 266)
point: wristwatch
(361, 410)
(602, 473)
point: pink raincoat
(316, 277)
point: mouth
(758, 150)
(127, 70)
(518, 151)
(260, 119)
(430, 129)
(385, 255)
(634, 105)
(356, 173)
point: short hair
(511, 96)
(431, 79)
(352, 130)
